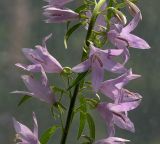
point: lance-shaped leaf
(48, 134)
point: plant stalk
(76, 89)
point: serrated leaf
(24, 99)
(91, 126)
(69, 32)
(78, 79)
(81, 124)
(48, 134)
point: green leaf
(92, 102)
(90, 140)
(69, 32)
(78, 79)
(24, 99)
(91, 126)
(81, 124)
(81, 8)
(47, 134)
(57, 89)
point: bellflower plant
(104, 53)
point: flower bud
(120, 16)
(132, 8)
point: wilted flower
(115, 114)
(25, 135)
(40, 55)
(38, 88)
(121, 36)
(113, 88)
(98, 61)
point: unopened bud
(132, 8)
(120, 16)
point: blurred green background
(22, 25)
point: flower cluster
(104, 23)
(123, 101)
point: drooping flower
(98, 61)
(121, 36)
(55, 12)
(25, 135)
(59, 15)
(38, 88)
(112, 140)
(40, 55)
(115, 114)
(113, 88)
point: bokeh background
(21, 25)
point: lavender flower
(115, 114)
(59, 15)
(112, 140)
(121, 36)
(38, 89)
(113, 88)
(25, 135)
(55, 12)
(40, 55)
(98, 61)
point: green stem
(76, 89)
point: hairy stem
(76, 89)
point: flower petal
(97, 75)
(31, 68)
(123, 122)
(82, 67)
(38, 89)
(135, 41)
(112, 140)
(124, 107)
(35, 125)
(133, 24)
(58, 15)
